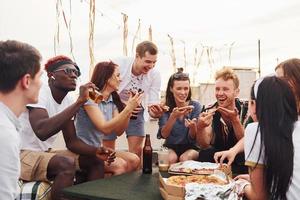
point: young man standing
(220, 128)
(54, 112)
(137, 74)
(19, 85)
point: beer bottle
(147, 156)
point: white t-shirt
(251, 160)
(10, 153)
(150, 83)
(29, 140)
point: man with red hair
(41, 122)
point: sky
(224, 27)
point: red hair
(56, 59)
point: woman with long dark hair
(290, 70)
(272, 143)
(178, 125)
(97, 122)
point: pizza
(206, 179)
(201, 179)
(194, 167)
(182, 170)
(177, 180)
(165, 108)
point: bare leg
(119, 166)
(135, 144)
(62, 171)
(93, 166)
(189, 154)
(173, 158)
(133, 161)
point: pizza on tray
(201, 179)
(194, 167)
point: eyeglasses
(180, 75)
(69, 71)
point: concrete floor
(151, 128)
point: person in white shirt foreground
(20, 83)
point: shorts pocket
(29, 163)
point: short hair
(16, 60)
(227, 73)
(53, 63)
(146, 46)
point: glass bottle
(147, 156)
(95, 95)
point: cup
(163, 159)
(95, 95)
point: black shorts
(181, 148)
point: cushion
(34, 190)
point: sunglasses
(69, 71)
(180, 75)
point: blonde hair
(227, 73)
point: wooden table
(131, 186)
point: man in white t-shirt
(54, 112)
(138, 75)
(20, 83)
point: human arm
(107, 127)
(77, 146)
(230, 154)
(204, 129)
(45, 126)
(254, 155)
(121, 126)
(156, 110)
(233, 117)
(74, 143)
(169, 123)
(256, 188)
(192, 125)
(191, 121)
(153, 94)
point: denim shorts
(112, 136)
(136, 126)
